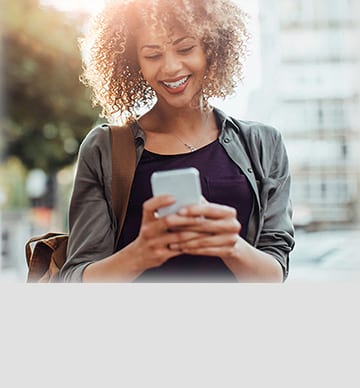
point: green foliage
(47, 110)
(12, 184)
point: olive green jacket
(256, 148)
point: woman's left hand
(216, 229)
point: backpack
(46, 254)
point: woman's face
(173, 65)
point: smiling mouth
(176, 84)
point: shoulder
(263, 142)
(258, 132)
(97, 140)
(97, 136)
(250, 131)
(94, 156)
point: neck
(181, 121)
(175, 131)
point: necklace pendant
(191, 148)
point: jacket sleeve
(276, 228)
(91, 225)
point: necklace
(190, 147)
(193, 147)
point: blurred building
(310, 90)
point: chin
(181, 103)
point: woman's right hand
(152, 244)
(150, 249)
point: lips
(176, 86)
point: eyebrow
(177, 41)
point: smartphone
(183, 184)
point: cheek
(200, 68)
(148, 72)
(146, 69)
(200, 64)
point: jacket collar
(224, 120)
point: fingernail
(182, 212)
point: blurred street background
(303, 77)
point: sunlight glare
(87, 6)
(94, 6)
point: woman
(170, 57)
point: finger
(206, 242)
(176, 222)
(208, 210)
(208, 226)
(208, 251)
(174, 238)
(162, 225)
(153, 204)
(218, 227)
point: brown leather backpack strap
(123, 170)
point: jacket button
(250, 170)
(227, 140)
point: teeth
(175, 84)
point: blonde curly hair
(110, 66)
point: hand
(215, 227)
(158, 234)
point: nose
(171, 64)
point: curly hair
(110, 66)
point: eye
(185, 50)
(152, 56)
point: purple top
(222, 181)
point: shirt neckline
(182, 153)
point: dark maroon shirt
(222, 181)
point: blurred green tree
(47, 111)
